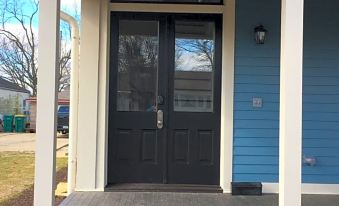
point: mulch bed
(26, 197)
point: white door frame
(228, 11)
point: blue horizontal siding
(247, 79)
(325, 107)
(321, 179)
(247, 106)
(256, 115)
(244, 177)
(316, 134)
(262, 87)
(246, 96)
(256, 133)
(321, 91)
(251, 150)
(252, 70)
(256, 130)
(256, 142)
(256, 160)
(254, 124)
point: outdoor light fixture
(260, 34)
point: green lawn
(17, 173)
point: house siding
(321, 91)
(15, 101)
(256, 130)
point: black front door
(164, 111)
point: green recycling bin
(8, 123)
(20, 122)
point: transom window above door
(170, 1)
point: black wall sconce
(260, 34)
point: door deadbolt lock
(160, 119)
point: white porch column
(88, 95)
(291, 103)
(47, 102)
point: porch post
(44, 185)
(88, 96)
(291, 103)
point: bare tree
(18, 45)
(138, 63)
(201, 49)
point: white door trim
(103, 92)
(228, 11)
(227, 95)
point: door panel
(206, 148)
(181, 139)
(170, 64)
(195, 101)
(135, 142)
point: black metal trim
(169, 2)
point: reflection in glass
(194, 65)
(137, 65)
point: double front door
(164, 110)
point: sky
(71, 7)
(69, 3)
(66, 5)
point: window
(194, 66)
(170, 1)
(137, 65)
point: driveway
(25, 142)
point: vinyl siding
(256, 130)
(321, 91)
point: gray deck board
(185, 199)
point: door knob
(160, 119)
(160, 100)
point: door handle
(160, 100)
(160, 119)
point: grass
(17, 173)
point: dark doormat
(183, 188)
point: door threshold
(144, 187)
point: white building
(12, 98)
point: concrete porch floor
(185, 199)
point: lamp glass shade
(260, 34)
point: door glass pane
(194, 65)
(137, 65)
